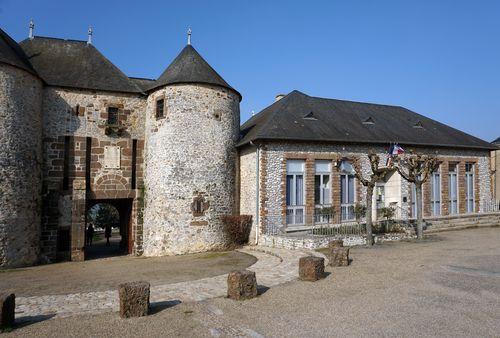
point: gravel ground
(447, 285)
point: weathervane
(189, 35)
(89, 39)
(32, 27)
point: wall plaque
(112, 157)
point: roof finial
(189, 35)
(32, 27)
(89, 33)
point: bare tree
(416, 169)
(377, 174)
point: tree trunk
(369, 196)
(420, 218)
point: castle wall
(190, 168)
(274, 155)
(248, 185)
(20, 166)
(77, 136)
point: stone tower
(192, 127)
(20, 156)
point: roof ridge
(57, 39)
(141, 78)
(352, 101)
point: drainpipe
(257, 204)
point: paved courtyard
(447, 285)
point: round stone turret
(192, 127)
(20, 157)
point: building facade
(298, 158)
(169, 154)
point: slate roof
(142, 82)
(12, 54)
(300, 117)
(75, 64)
(497, 141)
(190, 67)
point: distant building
(170, 155)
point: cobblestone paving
(273, 267)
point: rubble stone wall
(190, 168)
(76, 133)
(20, 166)
(273, 175)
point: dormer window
(112, 116)
(418, 125)
(310, 116)
(160, 108)
(369, 121)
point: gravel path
(447, 285)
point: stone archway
(124, 208)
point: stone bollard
(311, 268)
(134, 299)
(336, 243)
(339, 256)
(241, 285)
(7, 310)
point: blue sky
(439, 58)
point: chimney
(279, 97)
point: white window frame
(469, 175)
(414, 200)
(322, 174)
(347, 209)
(436, 204)
(293, 216)
(453, 202)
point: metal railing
(323, 222)
(491, 206)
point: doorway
(107, 229)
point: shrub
(359, 211)
(237, 228)
(387, 212)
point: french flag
(396, 149)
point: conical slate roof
(75, 64)
(12, 54)
(190, 67)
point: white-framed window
(347, 191)
(379, 196)
(453, 188)
(469, 187)
(322, 190)
(414, 198)
(436, 193)
(295, 205)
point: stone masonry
(272, 175)
(20, 166)
(74, 162)
(191, 158)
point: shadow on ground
(160, 306)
